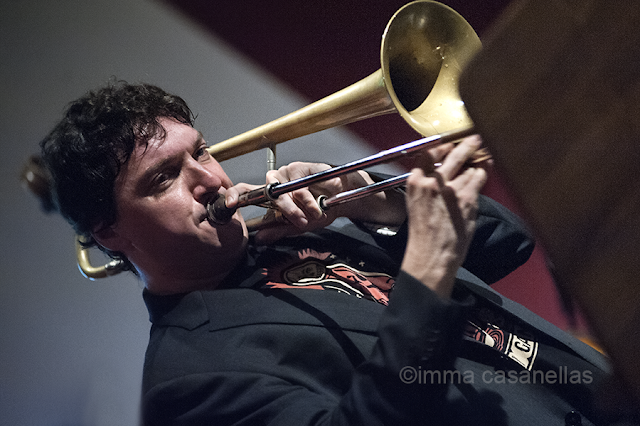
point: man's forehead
(172, 137)
(146, 153)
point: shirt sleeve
(500, 244)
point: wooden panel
(555, 93)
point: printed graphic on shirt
(324, 271)
(494, 330)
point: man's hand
(303, 213)
(442, 204)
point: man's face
(161, 197)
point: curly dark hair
(86, 150)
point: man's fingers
(471, 179)
(458, 156)
(427, 159)
(466, 188)
(308, 204)
(232, 194)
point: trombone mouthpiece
(217, 211)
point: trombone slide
(218, 213)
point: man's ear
(109, 238)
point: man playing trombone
(301, 324)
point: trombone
(425, 47)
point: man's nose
(203, 181)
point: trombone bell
(425, 47)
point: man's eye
(161, 178)
(201, 152)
